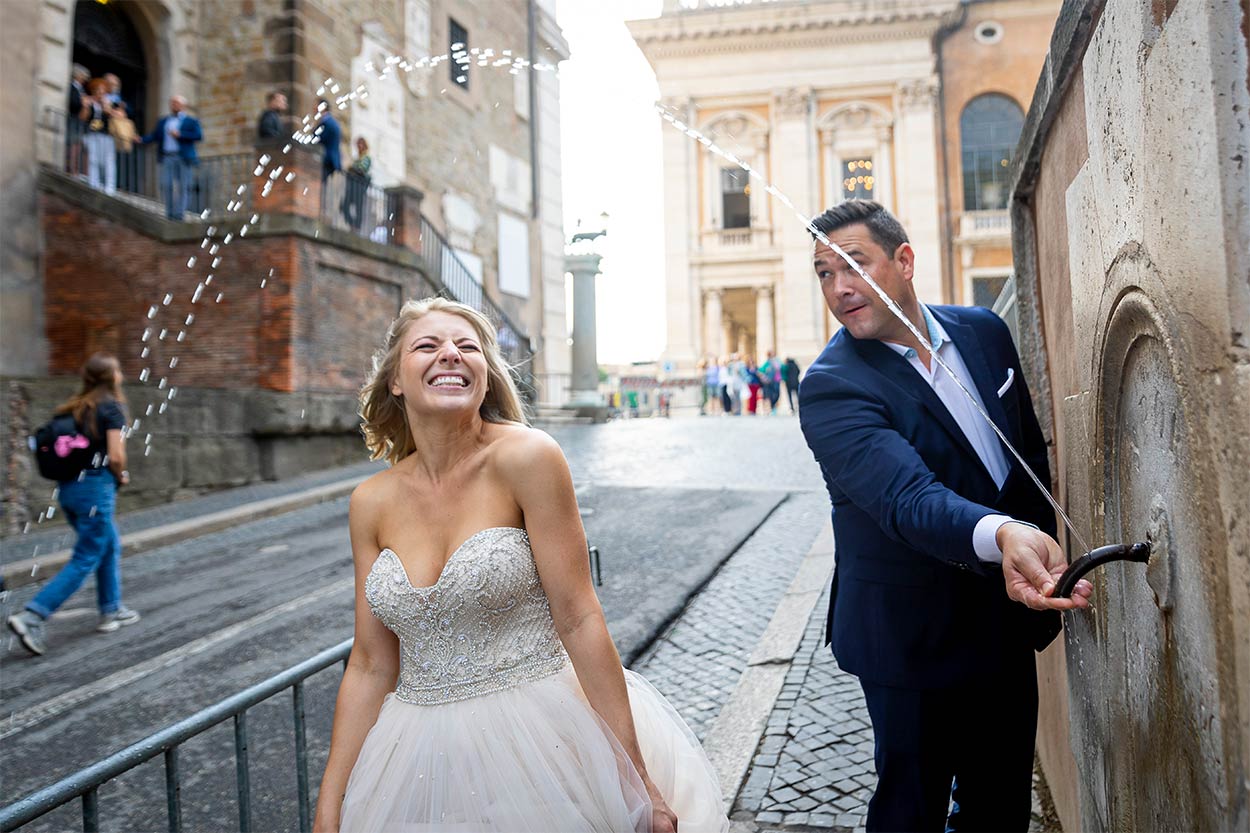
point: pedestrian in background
(724, 379)
(269, 126)
(770, 374)
(331, 136)
(711, 384)
(175, 136)
(88, 502)
(75, 156)
(357, 187)
(96, 113)
(791, 378)
(751, 377)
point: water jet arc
(1139, 552)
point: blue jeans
(98, 548)
(175, 172)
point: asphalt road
(666, 502)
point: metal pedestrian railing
(133, 174)
(351, 203)
(85, 783)
(445, 267)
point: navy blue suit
(926, 626)
(189, 132)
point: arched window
(988, 131)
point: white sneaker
(110, 622)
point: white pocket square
(1011, 377)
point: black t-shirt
(108, 417)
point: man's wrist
(987, 537)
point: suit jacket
(189, 133)
(912, 606)
(270, 125)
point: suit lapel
(896, 368)
(968, 343)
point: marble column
(713, 323)
(585, 382)
(764, 338)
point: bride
(483, 691)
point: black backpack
(61, 450)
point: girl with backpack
(88, 500)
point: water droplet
(149, 410)
(147, 451)
(258, 170)
(147, 333)
(190, 319)
(215, 248)
(173, 391)
(204, 214)
(208, 279)
(301, 413)
(143, 374)
(243, 231)
(182, 334)
(216, 262)
(264, 158)
(143, 354)
(241, 190)
(199, 290)
(168, 297)
(220, 295)
(227, 239)
(262, 283)
(290, 177)
(191, 262)
(173, 362)
(255, 218)
(164, 332)
(162, 408)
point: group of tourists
(735, 383)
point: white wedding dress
(488, 729)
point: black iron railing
(445, 267)
(85, 783)
(352, 203)
(133, 173)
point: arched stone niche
(745, 135)
(1146, 689)
(854, 130)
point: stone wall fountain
(1132, 241)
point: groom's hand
(1032, 565)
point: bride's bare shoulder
(372, 493)
(519, 449)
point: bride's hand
(663, 819)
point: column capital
(764, 291)
(713, 292)
(791, 103)
(918, 93)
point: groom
(945, 560)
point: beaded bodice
(484, 626)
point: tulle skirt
(535, 757)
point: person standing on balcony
(96, 113)
(270, 124)
(331, 137)
(74, 154)
(357, 189)
(122, 128)
(175, 136)
(88, 502)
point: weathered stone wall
(1132, 224)
(208, 439)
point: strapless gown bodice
(484, 626)
(488, 728)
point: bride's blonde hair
(384, 420)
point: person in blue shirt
(331, 137)
(175, 136)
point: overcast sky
(610, 137)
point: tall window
(988, 131)
(458, 49)
(735, 194)
(858, 180)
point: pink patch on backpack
(64, 445)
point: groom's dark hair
(887, 232)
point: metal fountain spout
(1139, 552)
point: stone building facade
(466, 180)
(829, 102)
(1131, 216)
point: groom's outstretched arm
(851, 436)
